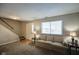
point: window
(46, 27)
(54, 27)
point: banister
(6, 23)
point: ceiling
(31, 11)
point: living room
(39, 29)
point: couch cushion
(58, 39)
(43, 37)
(50, 38)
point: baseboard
(8, 42)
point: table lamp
(34, 32)
(37, 36)
(72, 34)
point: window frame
(50, 28)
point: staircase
(7, 35)
(8, 25)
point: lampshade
(73, 34)
(37, 36)
(34, 32)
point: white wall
(7, 36)
(71, 23)
(29, 34)
(13, 23)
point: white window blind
(46, 27)
(54, 27)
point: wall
(7, 36)
(15, 24)
(23, 29)
(29, 34)
(71, 23)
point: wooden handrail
(3, 20)
(6, 23)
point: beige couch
(52, 43)
(52, 38)
(55, 46)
